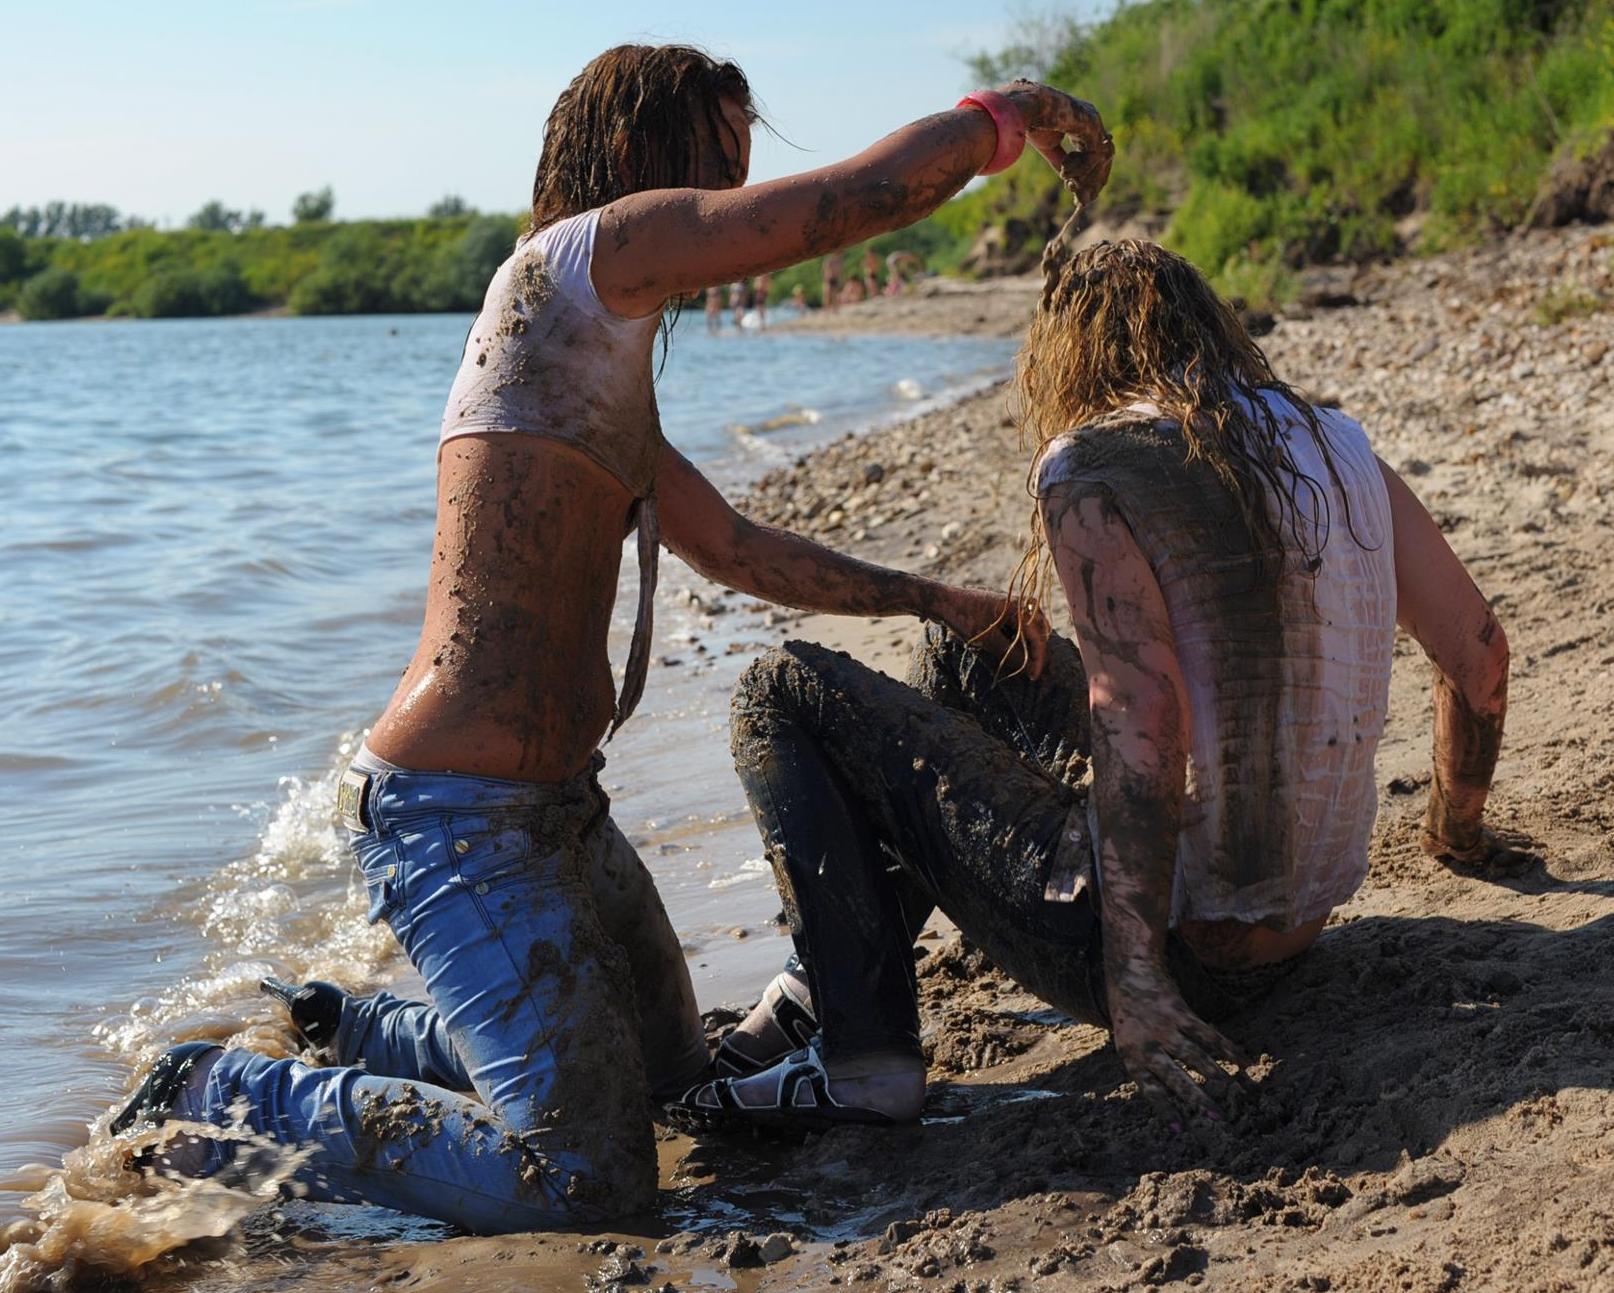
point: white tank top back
(1287, 696)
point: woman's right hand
(1051, 116)
(1162, 1044)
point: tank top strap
(647, 518)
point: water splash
(294, 908)
(98, 1216)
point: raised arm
(1140, 735)
(1437, 602)
(664, 243)
(701, 527)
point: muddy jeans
(880, 801)
(559, 994)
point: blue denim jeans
(559, 996)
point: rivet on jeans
(483, 887)
(462, 847)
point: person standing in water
(1235, 560)
(834, 267)
(761, 286)
(558, 991)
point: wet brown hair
(638, 117)
(1126, 322)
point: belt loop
(372, 802)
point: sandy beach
(1435, 1106)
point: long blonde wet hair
(1126, 322)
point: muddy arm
(1438, 604)
(699, 525)
(657, 245)
(1140, 739)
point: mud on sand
(1436, 1079)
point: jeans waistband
(373, 794)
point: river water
(214, 547)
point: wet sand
(1435, 1107)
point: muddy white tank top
(546, 357)
(1287, 688)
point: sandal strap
(800, 1073)
(804, 1066)
(795, 1021)
(790, 1017)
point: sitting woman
(1235, 561)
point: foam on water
(293, 909)
(97, 1216)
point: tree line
(68, 260)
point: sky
(158, 107)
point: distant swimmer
(713, 297)
(1235, 560)
(871, 274)
(518, 1095)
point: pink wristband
(1011, 127)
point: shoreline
(1442, 1053)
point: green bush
(51, 294)
(13, 257)
(192, 293)
(1275, 132)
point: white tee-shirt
(1286, 698)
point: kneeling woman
(1235, 562)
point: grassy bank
(1267, 134)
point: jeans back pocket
(489, 851)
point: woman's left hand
(1162, 1044)
(989, 623)
(1051, 116)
